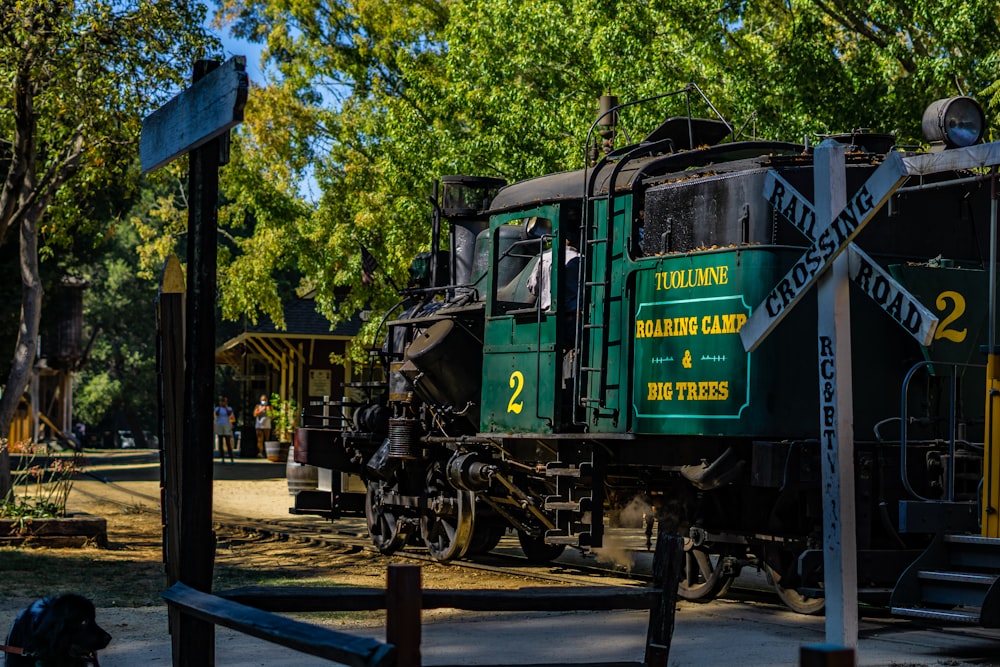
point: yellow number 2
(517, 384)
(958, 309)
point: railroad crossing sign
(832, 227)
(830, 238)
(863, 271)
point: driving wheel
(485, 538)
(536, 550)
(704, 576)
(386, 529)
(794, 600)
(446, 525)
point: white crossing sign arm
(864, 272)
(900, 305)
(787, 201)
(831, 240)
(979, 156)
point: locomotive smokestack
(605, 117)
(607, 121)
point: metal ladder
(595, 304)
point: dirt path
(125, 579)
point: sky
(239, 47)
(232, 46)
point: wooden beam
(555, 598)
(202, 112)
(264, 352)
(276, 351)
(303, 637)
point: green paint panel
(690, 372)
(519, 351)
(959, 299)
(689, 361)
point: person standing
(262, 424)
(224, 420)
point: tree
(79, 78)
(373, 99)
(118, 379)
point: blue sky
(239, 47)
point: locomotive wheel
(447, 525)
(794, 600)
(485, 538)
(536, 550)
(387, 532)
(704, 577)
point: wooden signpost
(197, 122)
(832, 226)
(205, 111)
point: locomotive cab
(531, 313)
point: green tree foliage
(78, 76)
(117, 384)
(374, 99)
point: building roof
(302, 322)
(302, 319)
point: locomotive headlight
(956, 121)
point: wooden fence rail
(303, 637)
(251, 610)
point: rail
(952, 425)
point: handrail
(904, 420)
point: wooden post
(170, 395)
(402, 613)
(195, 639)
(196, 122)
(840, 562)
(170, 369)
(667, 562)
(825, 655)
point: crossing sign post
(836, 397)
(832, 226)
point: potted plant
(284, 420)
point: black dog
(58, 631)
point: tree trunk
(27, 335)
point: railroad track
(349, 535)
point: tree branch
(23, 158)
(861, 25)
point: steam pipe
(435, 233)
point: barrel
(276, 452)
(301, 477)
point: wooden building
(45, 411)
(294, 363)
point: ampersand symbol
(686, 361)
(827, 391)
